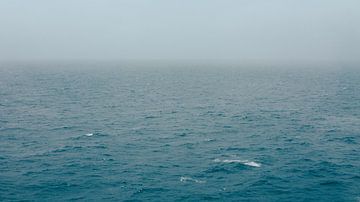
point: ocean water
(179, 133)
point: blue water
(101, 132)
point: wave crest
(189, 179)
(244, 162)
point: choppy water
(176, 133)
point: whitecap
(189, 179)
(89, 134)
(244, 162)
(253, 164)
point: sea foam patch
(244, 162)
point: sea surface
(101, 132)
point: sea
(179, 132)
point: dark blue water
(179, 133)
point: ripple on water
(239, 130)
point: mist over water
(170, 132)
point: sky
(241, 30)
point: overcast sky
(304, 30)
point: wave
(189, 179)
(244, 162)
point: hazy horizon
(238, 31)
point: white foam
(89, 134)
(189, 179)
(244, 162)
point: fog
(237, 30)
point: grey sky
(304, 30)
